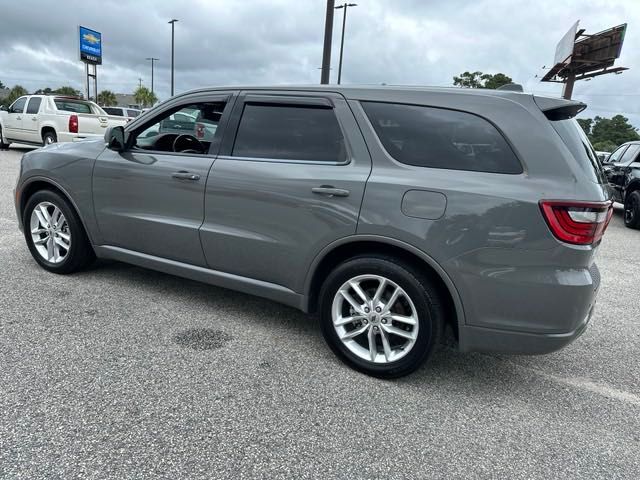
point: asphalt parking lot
(120, 372)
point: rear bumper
(489, 340)
(474, 338)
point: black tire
(80, 253)
(632, 210)
(49, 137)
(3, 145)
(423, 294)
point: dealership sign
(90, 46)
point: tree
(585, 123)
(2, 85)
(107, 98)
(144, 97)
(15, 93)
(43, 91)
(616, 130)
(481, 80)
(72, 92)
(606, 134)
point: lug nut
(378, 309)
(375, 329)
(367, 309)
(365, 321)
(384, 320)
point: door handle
(18, 118)
(34, 119)
(185, 176)
(330, 191)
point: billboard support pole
(567, 90)
(328, 35)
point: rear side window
(289, 133)
(439, 138)
(72, 106)
(578, 144)
(34, 105)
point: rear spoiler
(559, 108)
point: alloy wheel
(50, 232)
(375, 318)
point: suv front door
(13, 124)
(289, 180)
(150, 198)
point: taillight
(579, 223)
(73, 123)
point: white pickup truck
(44, 119)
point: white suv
(44, 119)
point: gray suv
(393, 213)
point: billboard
(564, 50)
(90, 45)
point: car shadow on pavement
(447, 368)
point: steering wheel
(185, 143)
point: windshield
(578, 144)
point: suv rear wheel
(632, 210)
(54, 234)
(49, 137)
(380, 316)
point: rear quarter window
(578, 144)
(440, 138)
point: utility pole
(344, 23)
(328, 34)
(139, 83)
(173, 24)
(152, 60)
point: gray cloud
(260, 42)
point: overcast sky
(221, 42)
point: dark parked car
(622, 170)
(393, 213)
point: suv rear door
(289, 180)
(30, 120)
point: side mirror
(3, 108)
(115, 138)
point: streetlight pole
(344, 23)
(173, 24)
(152, 60)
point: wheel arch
(632, 187)
(348, 247)
(47, 128)
(37, 184)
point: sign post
(90, 43)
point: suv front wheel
(380, 316)
(54, 234)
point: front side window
(439, 138)
(34, 105)
(630, 154)
(615, 156)
(289, 132)
(18, 105)
(185, 129)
